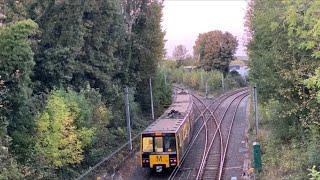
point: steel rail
(176, 169)
(222, 98)
(204, 156)
(207, 108)
(229, 133)
(215, 123)
(201, 170)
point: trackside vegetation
(198, 78)
(284, 62)
(63, 69)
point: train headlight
(173, 161)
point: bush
(9, 168)
(315, 175)
(288, 149)
(235, 80)
(63, 129)
(197, 79)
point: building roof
(174, 116)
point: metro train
(164, 142)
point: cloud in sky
(183, 20)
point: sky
(183, 20)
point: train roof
(174, 116)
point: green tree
(216, 50)
(302, 18)
(16, 63)
(148, 49)
(277, 64)
(314, 83)
(283, 55)
(179, 52)
(99, 44)
(315, 175)
(61, 42)
(61, 133)
(102, 60)
(8, 165)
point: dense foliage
(147, 50)
(215, 50)
(60, 133)
(284, 53)
(16, 64)
(62, 78)
(314, 83)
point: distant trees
(179, 52)
(215, 50)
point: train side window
(147, 144)
(180, 139)
(158, 144)
(169, 144)
(187, 129)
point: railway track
(207, 149)
(200, 133)
(215, 157)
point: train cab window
(169, 144)
(158, 144)
(147, 144)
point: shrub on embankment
(198, 78)
(283, 54)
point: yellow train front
(164, 142)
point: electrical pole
(222, 81)
(151, 97)
(256, 145)
(165, 78)
(201, 79)
(128, 115)
(206, 89)
(256, 108)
